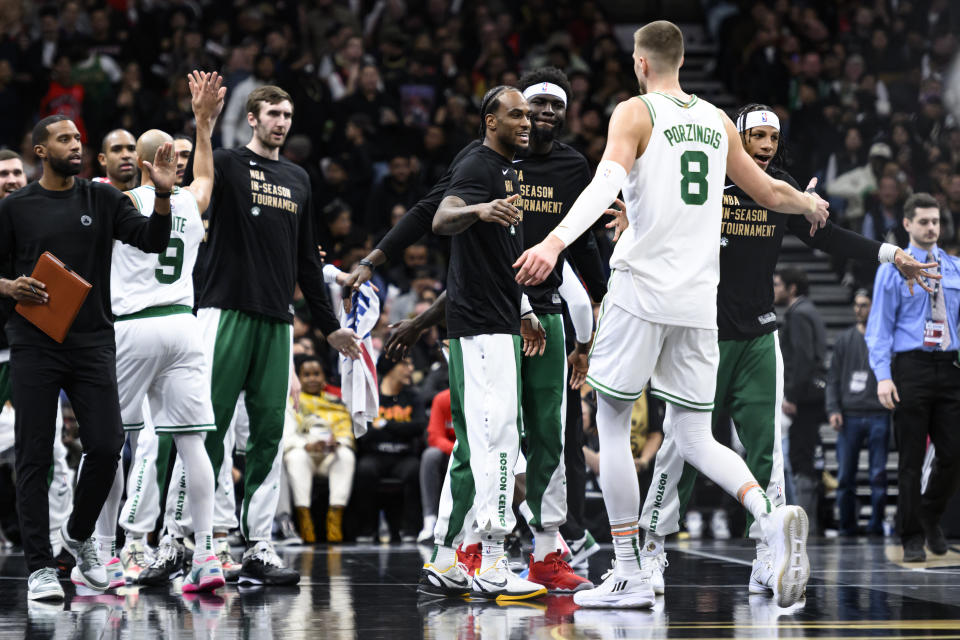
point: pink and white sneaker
(204, 576)
(115, 575)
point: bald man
(118, 158)
(160, 356)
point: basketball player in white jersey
(669, 152)
(159, 351)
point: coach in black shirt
(77, 221)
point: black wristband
(163, 195)
(366, 263)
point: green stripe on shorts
(681, 402)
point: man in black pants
(77, 221)
(913, 353)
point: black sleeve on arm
(585, 256)
(417, 222)
(470, 182)
(310, 275)
(835, 240)
(150, 234)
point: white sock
(492, 551)
(429, 522)
(526, 512)
(544, 543)
(626, 548)
(106, 548)
(203, 545)
(443, 557)
(139, 538)
(755, 500)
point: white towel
(358, 378)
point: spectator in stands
(858, 183)
(64, 97)
(882, 220)
(398, 187)
(848, 157)
(322, 444)
(433, 464)
(391, 450)
(803, 341)
(234, 119)
(912, 337)
(858, 417)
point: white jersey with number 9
(141, 280)
(673, 193)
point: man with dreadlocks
(484, 310)
(750, 386)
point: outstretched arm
(207, 100)
(627, 137)
(454, 215)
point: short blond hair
(662, 42)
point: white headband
(758, 119)
(545, 87)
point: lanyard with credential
(936, 288)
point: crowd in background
(386, 92)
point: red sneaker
(556, 575)
(471, 556)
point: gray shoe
(44, 585)
(90, 570)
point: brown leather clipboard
(67, 291)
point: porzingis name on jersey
(693, 133)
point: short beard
(544, 136)
(64, 167)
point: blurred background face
(181, 151)
(119, 156)
(400, 169)
(924, 229)
(780, 295)
(861, 308)
(12, 176)
(312, 378)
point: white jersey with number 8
(668, 260)
(141, 280)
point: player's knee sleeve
(621, 497)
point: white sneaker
(451, 582)
(500, 584)
(719, 528)
(694, 522)
(619, 592)
(762, 577)
(133, 555)
(581, 550)
(89, 568)
(786, 531)
(653, 558)
(44, 585)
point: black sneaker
(262, 565)
(167, 565)
(936, 541)
(913, 550)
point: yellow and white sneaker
(500, 584)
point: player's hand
(836, 421)
(207, 95)
(620, 222)
(25, 289)
(403, 336)
(536, 263)
(533, 334)
(914, 271)
(818, 217)
(346, 341)
(295, 390)
(887, 394)
(789, 408)
(579, 364)
(500, 211)
(358, 275)
(163, 169)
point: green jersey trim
(678, 101)
(653, 112)
(156, 312)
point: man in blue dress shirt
(913, 343)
